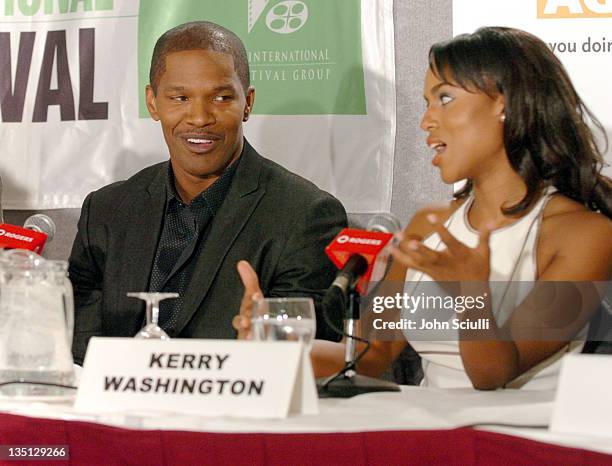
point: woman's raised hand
(457, 262)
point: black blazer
(271, 217)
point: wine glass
(284, 319)
(151, 330)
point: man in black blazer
(183, 225)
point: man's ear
(250, 101)
(151, 104)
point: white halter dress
(513, 259)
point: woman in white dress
(503, 114)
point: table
(416, 426)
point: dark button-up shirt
(184, 231)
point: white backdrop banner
(578, 31)
(72, 77)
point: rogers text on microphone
(8, 234)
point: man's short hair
(199, 35)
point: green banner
(305, 56)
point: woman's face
(465, 129)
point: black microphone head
(41, 223)
(354, 268)
(384, 222)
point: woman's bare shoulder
(570, 230)
(564, 215)
(419, 224)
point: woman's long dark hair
(546, 135)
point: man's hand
(252, 293)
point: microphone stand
(347, 383)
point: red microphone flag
(14, 237)
(373, 246)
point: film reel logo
(285, 17)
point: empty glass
(284, 319)
(151, 330)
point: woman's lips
(439, 147)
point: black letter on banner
(11, 101)
(88, 109)
(62, 96)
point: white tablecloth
(515, 412)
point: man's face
(201, 105)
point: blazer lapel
(242, 198)
(144, 219)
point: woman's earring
(502, 118)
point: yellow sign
(574, 9)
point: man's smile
(200, 143)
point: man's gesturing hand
(252, 293)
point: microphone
(41, 223)
(384, 222)
(361, 255)
(36, 231)
(354, 268)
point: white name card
(198, 377)
(584, 398)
